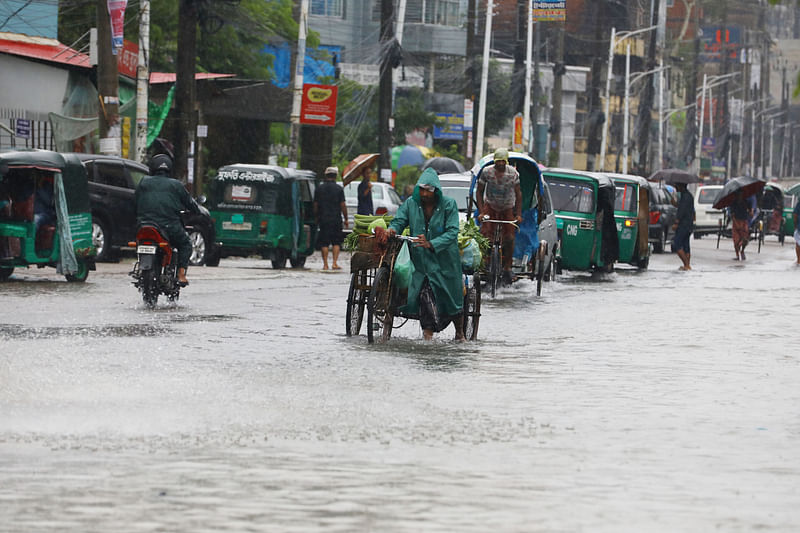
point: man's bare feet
(427, 334)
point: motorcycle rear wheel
(150, 288)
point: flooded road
(655, 401)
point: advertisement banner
(453, 128)
(116, 10)
(550, 10)
(318, 106)
(128, 60)
(516, 137)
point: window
(571, 195)
(441, 12)
(111, 174)
(626, 198)
(327, 8)
(136, 175)
(707, 196)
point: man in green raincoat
(436, 290)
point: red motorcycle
(156, 271)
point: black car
(112, 183)
(662, 216)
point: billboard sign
(116, 10)
(453, 128)
(318, 106)
(550, 10)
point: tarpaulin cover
(67, 262)
(314, 68)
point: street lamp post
(615, 39)
(628, 82)
(763, 141)
(666, 117)
(708, 83)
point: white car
(707, 219)
(456, 186)
(385, 200)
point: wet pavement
(632, 401)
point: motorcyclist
(160, 200)
(500, 198)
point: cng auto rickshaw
(537, 240)
(790, 199)
(265, 210)
(632, 216)
(584, 206)
(45, 218)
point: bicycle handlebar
(512, 222)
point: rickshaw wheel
(81, 275)
(379, 313)
(298, 262)
(472, 309)
(5, 273)
(494, 269)
(356, 300)
(551, 268)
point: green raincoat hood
(428, 177)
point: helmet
(161, 164)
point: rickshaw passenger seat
(23, 209)
(44, 237)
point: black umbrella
(444, 165)
(674, 175)
(747, 185)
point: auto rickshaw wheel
(213, 257)
(5, 273)
(472, 309)
(279, 257)
(298, 262)
(81, 274)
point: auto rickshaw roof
(602, 180)
(43, 159)
(630, 178)
(489, 158)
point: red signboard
(318, 106)
(128, 59)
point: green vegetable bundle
(468, 230)
(362, 223)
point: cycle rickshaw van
(584, 206)
(537, 239)
(632, 217)
(264, 210)
(45, 219)
(770, 205)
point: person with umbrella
(740, 219)
(684, 223)
(365, 206)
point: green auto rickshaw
(45, 218)
(264, 210)
(790, 198)
(584, 206)
(632, 215)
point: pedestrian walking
(365, 194)
(683, 226)
(330, 210)
(740, 218)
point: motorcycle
(156, 270)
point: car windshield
(571, 195)
(626, 197)
(459, 194)
(707, 196)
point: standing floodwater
(654, 401)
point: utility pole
(385, 89)
(646, 103)
(297, 91)
(107, 84)
(487, 39)
(596, 117)
(142, 80)
(183, 168)
(469, 85)
(537, 87)
(559, 69)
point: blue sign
(453, 128)
(23, 128)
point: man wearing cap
(436, 289)
(330, 208)
(500, 197)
